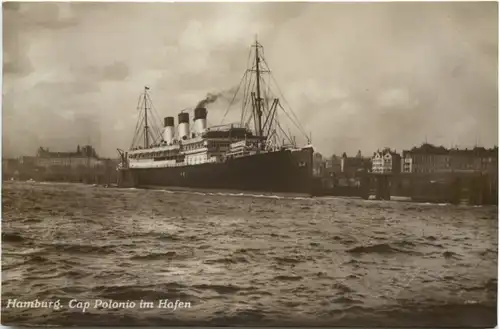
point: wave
(191, 191)
(12, 237)
(289, 260)
(157, 256)
(81, 248)
(380, 248)
(222, 289)
(238, 268)
(227, 260)
(450, 254)
(288, 278)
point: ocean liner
(256, 154)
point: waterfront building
(386, 162)
(85, 156)
(351, 166)
(426, 159)
(333, 165)
(430, 159)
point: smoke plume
(226, 96)
(211, 98)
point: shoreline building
(386, 161)
(431, 159)
(83, 165)
(352, 166)
(426, 159)
(84, 156)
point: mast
(258, 100)
(146, 128)
(255, 102)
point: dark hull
(281, 172)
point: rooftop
(86, 151)
(427, 148)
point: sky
(359, 76)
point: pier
(455, 188)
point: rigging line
(156, 128)
(297, 126)
(271, 115)
(140, 113)
(250, 52)
(155, 117)
(269, 92)
(247, 91)
(247, 95)
(138, 134)
(252, 114)
(295, 119)
(247, 124)
(273, 139)
(143, 102)
(234, 97)
(249, 120)
(154, 112)
(249, 86)
(155, 141)
(263, 51)
(136, 131)
(248, 109)
(284, 133)
(138, 125)
(137, 128)
(288, 116)
(250, 102)
(294, 122)
(143, 114)
(282, 96)
(158, 133)
(263, 97)
(139, 102)
(267, 96)
(141, 121)
(244, 101)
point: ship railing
(140, 150)
(225, 126)
(238, 144)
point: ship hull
(276, 172)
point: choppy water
(245, 260)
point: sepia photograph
(313, 164)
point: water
(244, 259)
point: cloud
(113, 72)
(357, 75)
